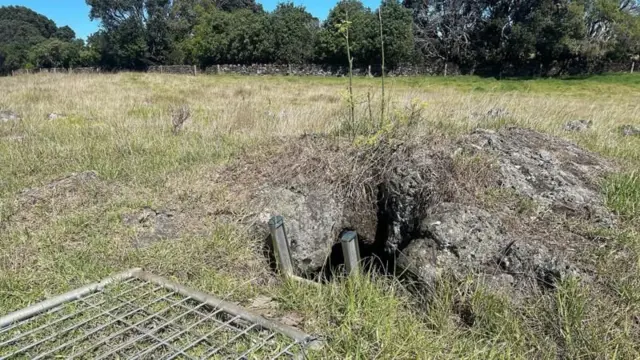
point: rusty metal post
(281, 245)
(351, 251)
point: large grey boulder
(313, 222)
(557, 174)
(463, 239)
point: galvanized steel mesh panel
(140, 319)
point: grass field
(120, 126)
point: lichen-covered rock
(64, 186)
(463, 239)
(578, 125)
(423, 202)
(554, 172)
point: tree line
(493, 37)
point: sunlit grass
(120, 126)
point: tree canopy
(496, 37)
(24, 35)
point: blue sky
(75, 13)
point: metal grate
(137, 315)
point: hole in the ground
(375, 256)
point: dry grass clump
(179, 116)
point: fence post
(281, 245)
(350, 251)
(195, 70)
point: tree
(444, 29)
(65, 33)
(397, 33)
(363, 35)
(136, 32)
(55, 53)
(222, 37)
(293, 31)
(20, 30)
(232, 5)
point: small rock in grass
(15, 138)
(496, 113)
(55, 116)
(578, 125)
(630, 130)
(8, 115)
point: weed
(179, 117)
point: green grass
(623, 194)
(120, 126)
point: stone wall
(174, 69)
(85, 70)
(319, 70)
(309, 70)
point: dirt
(60, 187)
(151, 225)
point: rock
(463, 239)
(55, 116)
(264, 306)
(420, 259)
(14, 138)
(553, 172)
(423, 202)
(497, 113)
(313, 222)
(151, 225)
(65, 185)
(8, 115)
(630, 130)
(578, 125)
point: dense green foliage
(497, 37)
(28, 39)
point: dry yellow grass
(120, 126)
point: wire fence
(145, 317)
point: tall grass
(623, 194)
(121, 126)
